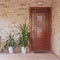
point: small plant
(24, 37)
(10, 42)
(0, 44)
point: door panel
(40, 30)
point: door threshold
(40, 51)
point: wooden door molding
(50, 22)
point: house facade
(15, 12)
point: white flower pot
(10, 49)
(23, 49)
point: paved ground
(28, 56)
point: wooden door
(40, 29)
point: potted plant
(10, 43)
(24, 37)
(0, 43)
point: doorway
(40, 31)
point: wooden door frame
(50, 22)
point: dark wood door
(40, 30)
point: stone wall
(15, 12)
(56, 27)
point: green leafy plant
(10, 42)
(24, 37)
(0, 41)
